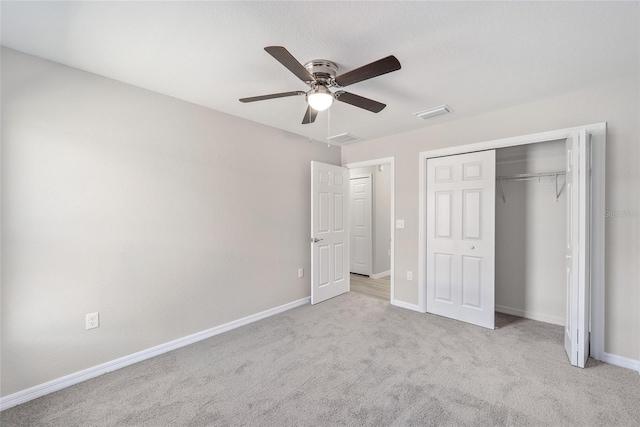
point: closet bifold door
(461, 237)
(576, 336)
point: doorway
(371, 225)
(531, 229)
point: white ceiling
(475, 57)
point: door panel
(324, 265)
(443, 213)
(330, 239)
(461, 237)
(472, 282)
(339, 261)
(339, 214)
(443, 276)
(323, 212)
(359, 213)
(471, 214)
(471, 171)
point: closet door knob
(473, 247)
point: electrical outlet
(409, 275)
(301, 272)
(93, 320)
(399, 223)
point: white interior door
(461, 237)
(329, 231)
(361, 232)
(576, 339)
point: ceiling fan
(320, 75)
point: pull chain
(328, 126)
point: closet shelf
(527, 176)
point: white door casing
(329, 231)
(576, 334)
(460, 239)
(361, 230)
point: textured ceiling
(475, 57)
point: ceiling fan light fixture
(319, 98)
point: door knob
(473, 247)
(315, 240)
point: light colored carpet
(353, 360)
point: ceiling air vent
(342, 138)
(433, 112)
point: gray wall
(531, 234)
(616, 102)
(166, 217)
(380, 215)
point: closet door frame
(598, 150)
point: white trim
(422, 232)
(598, 132)
(530, 315)
(598, 162)
(623, 362)
(380, 275)
(513, 141)
(384, 161)
(95, 371)
(406, 305)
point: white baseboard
(23, 396)
(530, 315)
(623, 362)
(406, 305)
(380, 275)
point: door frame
(391, 162)
(360, 176)
(598, 133)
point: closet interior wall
(531, 230)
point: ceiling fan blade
(285, 58)
(309, 116)
(271, 96)
(360, 101)
(375, 69)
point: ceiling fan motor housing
(324, 71)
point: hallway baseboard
(381, 275)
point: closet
(531, 230)
(507, 228)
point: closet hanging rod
(531, 175)
(523, 176)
